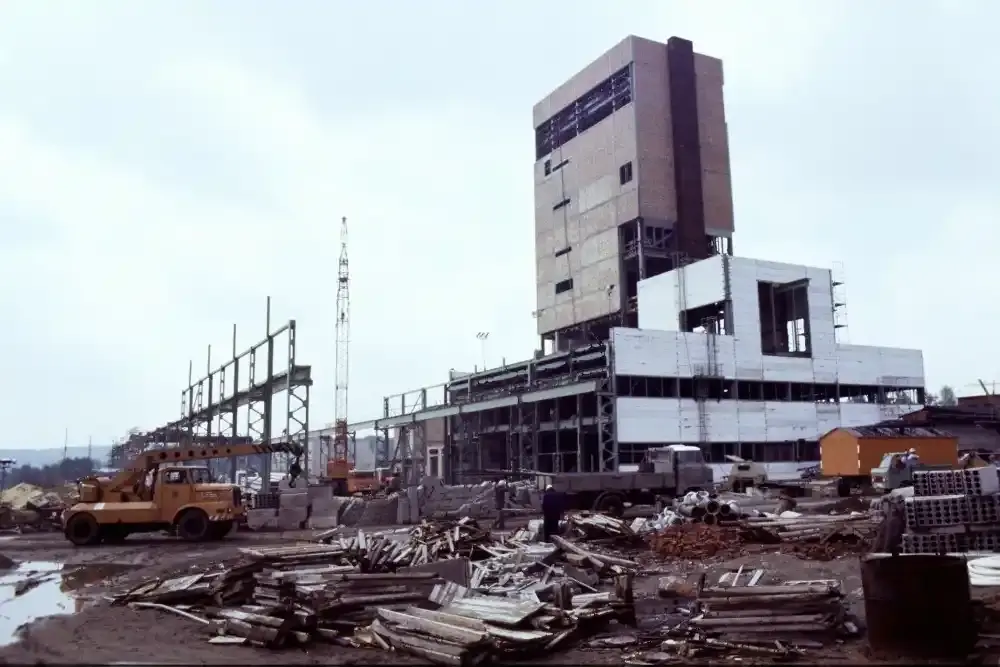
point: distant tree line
(55, 474)
(944, 397)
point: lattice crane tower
(339, 456)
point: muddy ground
(99, 633)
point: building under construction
(651, 331)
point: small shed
(852, 451)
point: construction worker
(911, 458)
(500, 496)
(552, 512)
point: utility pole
(90, 451)
(65, 444)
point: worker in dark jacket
(500, 498)
(552, 512)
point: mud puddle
(37, 589)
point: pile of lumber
(854, 528)
(284, 596)
(427, 542)
(793, 611)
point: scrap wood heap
(591, 526)
(427, 542)
(820, 537)
(284, 595)
(468, 628)
(781, 620)
(522, 598)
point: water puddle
(37, 589)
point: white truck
(665, 472)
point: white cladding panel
(666, 420)
(703, 283)
(682, 354)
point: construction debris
(749, 620)
(427, 542)
(521, 598)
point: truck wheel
(219, 529)
(610, 504)
(83, 530)
(193, 525)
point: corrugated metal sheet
(877, 431)
(502, 611)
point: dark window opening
(564, 202)
(591, 108)
(548, 167)
(625, 173)
(784, 318)
(563, 251)
(704, 386)
(564, 286)
(710, 318)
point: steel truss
(242, 391)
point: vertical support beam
(513, 461)
(580, 467)
(533, 425)
(557, 463)
(234, 429)
(268, 395)
(211, 390)
(607, 440)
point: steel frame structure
(239, 394)
(552, 413)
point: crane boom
(338, 466)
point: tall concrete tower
(631, 179)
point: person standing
(500, 498)
(552, 511)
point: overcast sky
(166, 165)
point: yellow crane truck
(160, 491)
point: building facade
(653, 333)
(631, 179)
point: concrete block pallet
(953, 511)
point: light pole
(482, 336)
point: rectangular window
(564, 202)
(548, 167)
(564, 286)
(563, 251)
(625, 173)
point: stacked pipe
(953, 511)
(704, 507)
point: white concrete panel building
(742, 355)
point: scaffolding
(548, 414)
(235, 401)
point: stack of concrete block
(293, 509)
(936, 511)
(324, 508)
(953, 511)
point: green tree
(947, 396)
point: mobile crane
(156, 491)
